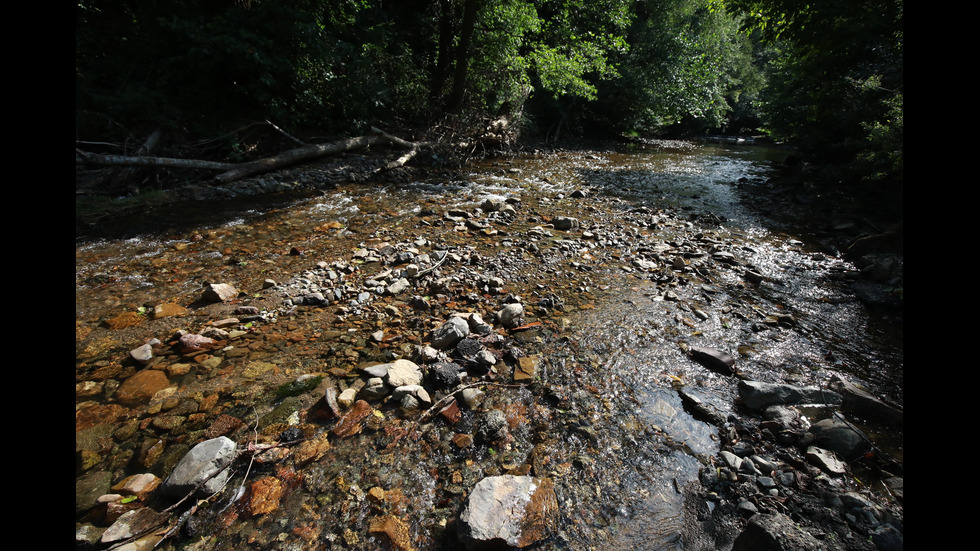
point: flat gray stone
(201, 462)
(758, 395)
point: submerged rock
(508, 510)
(714, 359)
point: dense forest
(824, 75)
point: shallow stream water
(614, 352)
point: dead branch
(82, 157)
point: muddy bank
(519, 308)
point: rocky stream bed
(559, 351)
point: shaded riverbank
(620, 262)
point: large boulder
(502, 511)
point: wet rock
(526, 369)
(493, 426)
(124, 320)
(396, 531)
(701, 409)
(353, 420)
(87, 536)
(141, 387)
(860, 401)
(131, 523)
(714, 359)
(775, 532)
(758, 395)
(168, 310)
(508, 510)
(264, 495)
(311, 450)
(841, 437)
(218, 292)
(207, 460)
(142, 354)
(224, 424)
(89, 487)
(444, 374)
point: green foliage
(835, 77)
(825, 74)
(687, 63)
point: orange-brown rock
(311, 450)
(124, 320)
(141, 387)
(88, 417)
(223, 425)
(353, 420)
(395, 529)
(138, 485)
(526, 368)
(168, 310)
(265, 494)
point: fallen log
(299, 154)
(82, 157)
(234, 171)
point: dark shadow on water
(176, 218)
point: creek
(658, 263)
